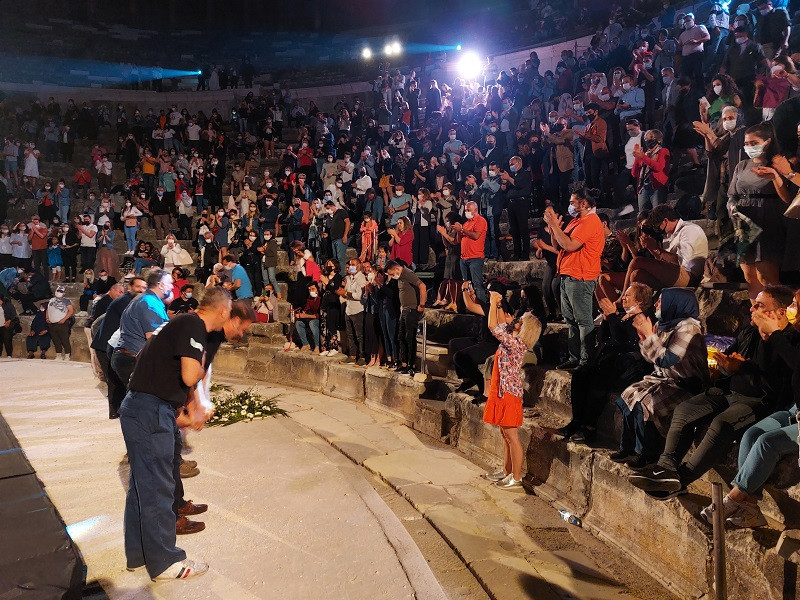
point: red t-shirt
(403, 250)
(474, 248)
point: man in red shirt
(473, 241)
(580, 246)
(37, 235)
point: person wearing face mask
(239, 283)
(675, 346)
(559, 144)
(743, 61)
(58, 315)
(617, 363)
(651, 169)
(691, 43)
(6, 250)
(184, 303)
(724, 149)
(772, 29)
(773, 90)
(130, 218)
(595, 154)
(307, 321)
(580, 245)
(757, 199)
(721, 91)
(765, 443)
(516, 183)
(472, 235)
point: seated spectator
(145, 257)
(617, 363)
(29, 287)
(758, 372)
(678, 260)
(306, 321)
(173, 254)
(184, 301)
(266, 305)
(39, 335)
(676, 348)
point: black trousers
(407, 336)
(518, 212)
(371, 334)
(727, 417)
(122, 366)
(70, 259)
(105, 367)
(6, 341)
(468, 355)
(41, 264)
(421, 246)
(178, 502)
(355, 334)
(88, 255)
(558, 186)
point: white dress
(32, 164)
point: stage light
(366, 54)
(458, 47)
(397, 48)
(469, 66)
(388, 50)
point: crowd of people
(392, 203)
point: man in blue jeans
(170, 364)
(580, 246)
(473, 246)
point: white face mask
(729, 125)
(59, 294)
(626, 86)
(188, 295)
(754, 151)
(468, 214)
(452, 136)
(313, 294)
(445, 193)
(103, 277)
(718, 89)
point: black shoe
(640, 463)
(113, 415)
(479, 399)
(401, 370)
(667, 495)
(656, 479)
(622, 456)
(568, 430)
(410, 372)
(570, 364)
(465, 385)
(585, 436)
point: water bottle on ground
(570, 518)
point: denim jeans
(472, 270)
(130, 237)
(576, 306)
(339, 254)
(650, 196)
(638, 436)
(63, 211)
(149, 429)
(303, 326)
(762, 446)
(268, 274)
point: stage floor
(288, 516)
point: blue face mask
(573, 212)
(513, 168)
(352, 270)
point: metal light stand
(423, 376)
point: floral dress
(504, 405)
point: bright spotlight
(366, 54)
(388, 50)
(397, 48)
(458, 47)
(470, 66)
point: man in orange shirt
(473, 242)
(580, 246)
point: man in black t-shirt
(172, 361)
(339, 232)
(184, 303)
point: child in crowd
(54, 260)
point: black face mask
(650, 144)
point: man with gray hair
(516, 182)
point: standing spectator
(104, 167)
(339, 231)
(517, 185)
(81, 182)
(38, 237)
(69, 243)
(354, 284)
(580, 246)
(651, 170)
(413, 297)
(31, 163)
(504, 404)
(433, 100)
(20, 246)
(595, 154)
(8, 320)
(88, 233)
(130, 219)
(772, 29)
(691, 43)
(472, 235)
(54, 260)
(401, 240)
(59, 313)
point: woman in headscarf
(675, 346)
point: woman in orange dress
(504, 405)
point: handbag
(183, 258)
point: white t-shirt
(629, 158)
(57, 309)
(86, 241)
(193, 131)
(690, 243)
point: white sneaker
(729, 508)
(59, 356)
(509, 483)
(67, 357)
(325, 353)
(83, 313)
(496, 476)
(183, 569)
